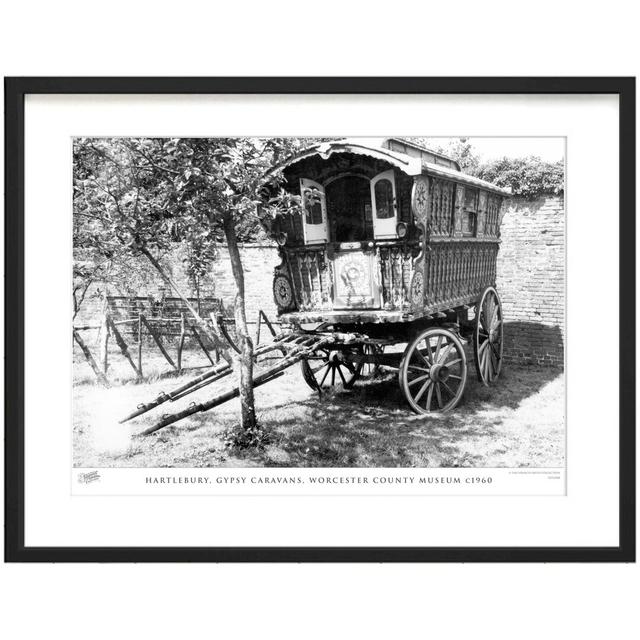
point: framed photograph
(320, 319)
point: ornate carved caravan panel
(457, 273)
(482, 212)
(441, 207)
(458, 211)
(492, 224)
(420, 201)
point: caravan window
(313, 205)
(384, 199)
(315, 211)
(383, 193)
(470, 219)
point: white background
(547, 38)
(587, 516)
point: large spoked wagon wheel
(488, 336)
(433, 371)
(328, 368)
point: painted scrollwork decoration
(420, 199)
(417, 289)
(282, 292)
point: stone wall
(530, 281)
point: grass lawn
(517, 423)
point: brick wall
(258, 262)
(139, 278)
(531, 280)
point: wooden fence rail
(141, 327)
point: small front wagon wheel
(488, 336)
(433, 371)
(364, 361)
(328, 368)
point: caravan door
(314, 204)
(385, 210)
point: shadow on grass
(372, 425)
(517, 422)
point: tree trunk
(77, 302)
(245, 358)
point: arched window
(313, 205)
(314, 219)
(383, 194)
(384, 199)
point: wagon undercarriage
(432, 367)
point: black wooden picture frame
(15, 91)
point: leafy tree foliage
(150, 193)
(463, 152)
(141, 195)
(528, 177)
(460, 150)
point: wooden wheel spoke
(326, 373)
(493, 366)
(438, 346)
(445, 354)
(429, 398)
(414, 367)
(448, 388)
(333, 375)
(438, 394)
(492, 314)
(494, 362)
(422, 390)
(339, 368)
(486, 357)
(318, 369)
(483, 319)
(453, 362)
(418, 379)
(428, 361)
(350, 368)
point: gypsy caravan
(395, 245)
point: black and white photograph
(313, 302)
(350, 325)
